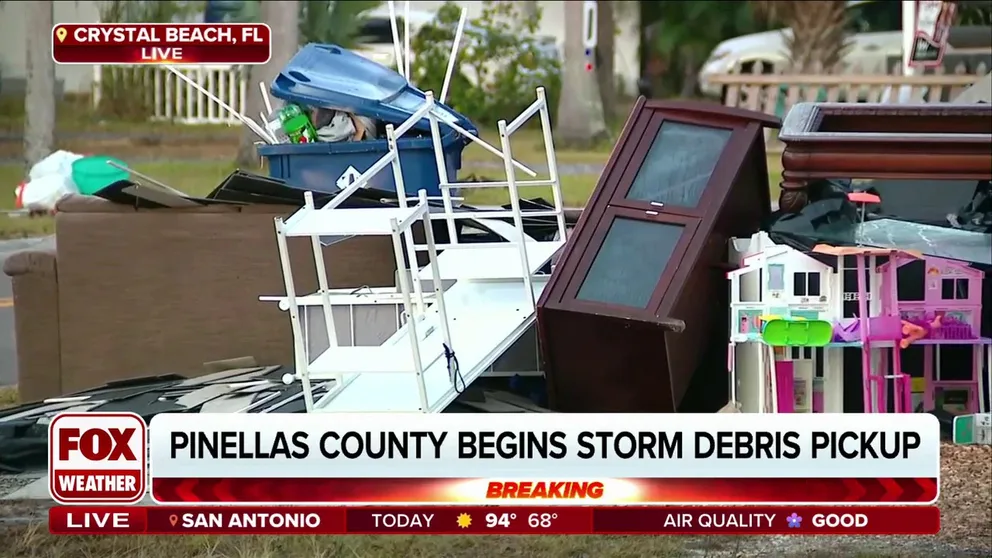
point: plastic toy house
(794, 314)
(636, 303)
(930, 166)
(949, 312)
(777, 285)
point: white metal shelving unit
(491, 303)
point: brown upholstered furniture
(129, 293)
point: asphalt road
(8, 350)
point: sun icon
(464, 520)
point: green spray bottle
(296, 125)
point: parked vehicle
(375, 39)
(875, 37)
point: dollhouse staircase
(482, 297)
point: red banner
(161, 43)
(452, 520)
(475, 491)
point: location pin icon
(173, 519)
(60, 34)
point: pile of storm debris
(244, 389)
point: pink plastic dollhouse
(948, 314)
(774, 282)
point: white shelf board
(345, 222)
(492, 263)
(384, 359)
(479, 336)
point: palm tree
(605, 53)
(580, 119)
(817, 42)
(39, 98)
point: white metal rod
(411, 321)
(524, 116)
(265, 99)
(408, 222)
(259, 131)
(397, 51)
(762, 378)
(732, 360)
(407, 232)
(406, 39)
(469, 246)
(360, 181)
(501, 214)
(476, 139)
(454, 54)
(323, 285)
(772, 376)
(343, 299)
(146, 178)
(299, 348)
(435, 272)
(431, 198)
(326, 398)
(442, 171)
(409, 123)
(495, 184)
(518, 222)
(549, 149)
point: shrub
(499, 63)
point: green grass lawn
(198, 177)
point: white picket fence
(176, 101)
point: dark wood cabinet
(634, 302)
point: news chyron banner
(443, 473)
(161, 43)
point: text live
(187, 43)
(450, 520)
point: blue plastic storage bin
(318, 166)
(333, 77)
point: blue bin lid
(329, 76)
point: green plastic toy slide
(797, 333)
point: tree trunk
(605, 56)
(283, 18)
(580, 111)
(39, 97)
(690, 75)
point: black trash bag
(828, 215)
(976, 216)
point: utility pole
(39, 95)
(284, 20)
(580, 119)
